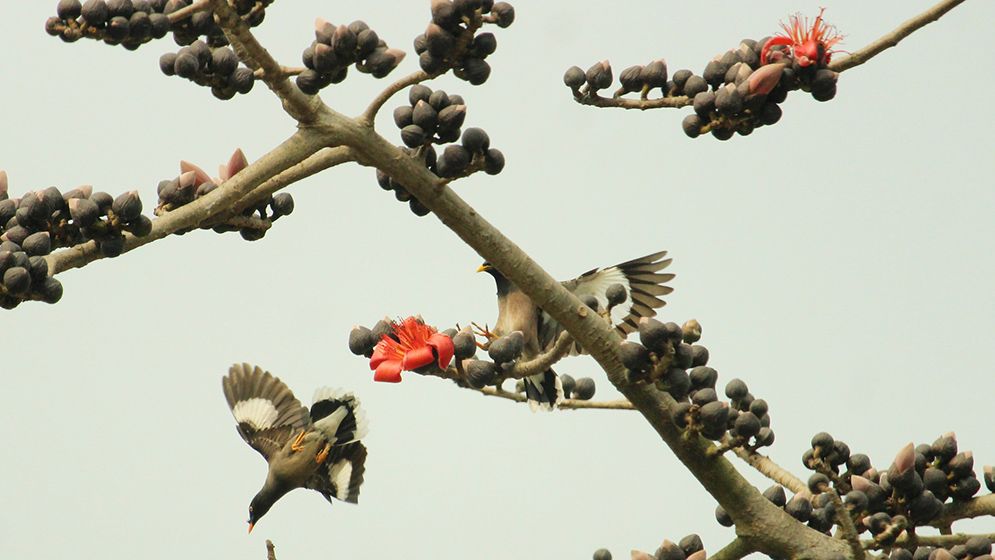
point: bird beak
(483, 268)
(251, 525)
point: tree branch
(292, 151)
(892, 39)
(846, 527)
(303, 108)
(976, 507)
(763, 525)
(544, 361)
(596, 100)
(270, 550)
(735, 550)
(946, 541)
(371, 111)
(767, 467)
(574, 404)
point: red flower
(417, 345)
(807, 45)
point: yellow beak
(483, 267)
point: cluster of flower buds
(911, 492)
(132, 23)
(335, 48)
(667, 355)
(217, 68)
(404, 345)
(977, 547)
(451, 39)
(739, 90)
(688, 548)
(35, 224)
(193, 183)
(435, 117)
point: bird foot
(323, 454)
(484, 332)
(297, 444)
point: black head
(258, 508)
(503, 284)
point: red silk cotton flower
(807, 45)
(416, 345)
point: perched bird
(641, 280)
(317, 449)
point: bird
(641, 280)
(317, 448)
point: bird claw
(484, 332)
(323, 454)
(297, 444)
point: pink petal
(200, 175)
(417, 358)
(443, 347)
(388, 372)
(236, 163)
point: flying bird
(641, 280)
(317, 449)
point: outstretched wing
(643, 285)
(341, 475)
(265, 409)
(338, 416)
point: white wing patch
(597, 284)
(340, 475)
(325, 393)
(258, 412)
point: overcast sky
(840, 262)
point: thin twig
(544, 361)
(371, 111)
(575, 404)
(270, 550)
(891, 39)
(249, 222)
(286, 71)
(735, 550)
(930, 540)
(847, 529)
(767, 467)
(976, 507)
(640, 104)
(184, 13)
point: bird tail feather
(544, 390)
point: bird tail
(543, 391)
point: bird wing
(338, 416)
(643, 285)
(341, 475)
(265, 409)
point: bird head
(257, 509)
(486, 267)
(503, 284)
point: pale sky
(840, 262)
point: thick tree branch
(765, 466)
(735, 550)
(891, 39)
(763, 525)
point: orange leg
(323, 454)
(484, 332)
(297, 443)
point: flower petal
(379, 355)
(417, 358)
(443, 347)
(388, 371)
